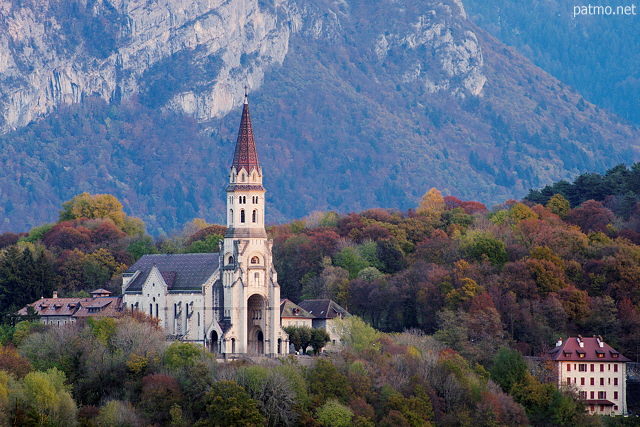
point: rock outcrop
(195, 56)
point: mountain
(354, 105)
(595, 53)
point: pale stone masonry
(229, 301)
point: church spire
(245, 155)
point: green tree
(229, 405)
(508, 369)
(326, 382)
(209, 244)
(351, 260)
(182, 355)
(47, 399)
(25, 277)
(319, 338)
(299, 336)
(334, 414)
(355, 332)
(481, 245)
(559, 205)
(142, 245)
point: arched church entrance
(256, 313)
(260, 342)
(213, 343)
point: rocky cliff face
(195, 56)
(355, 103)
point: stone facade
(229, 301)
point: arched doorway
(256, 324)
(260, 342)
(213, 343)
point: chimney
(580, 342)
(559, 343)
(600, 342)
(55, 294)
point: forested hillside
(359, 106)
(595, 54)
(470, 285)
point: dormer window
(230, 261)
(255, 260)
(242, 177)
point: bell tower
(251, 294)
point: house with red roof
(62, 311)
(595, 370)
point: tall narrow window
(254, 217)
(242, 216)
(230, 216)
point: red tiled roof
(245, 155)
(75, 307)
(592, 349)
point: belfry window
(255, 260)
(254, 216)
(230, 216)
(230, 260)
(242, 216)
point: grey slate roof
(290, 309)
(323, 308)
(182, 272)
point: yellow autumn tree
(432, 201)
(101, 206)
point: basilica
(229, 301)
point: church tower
(251, 294)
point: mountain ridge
(372, 106)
